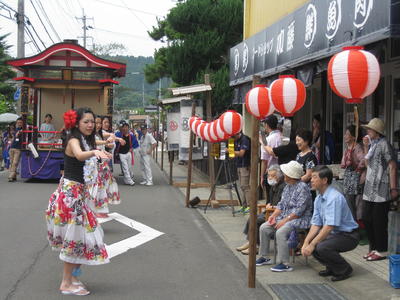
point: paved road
(189, 261)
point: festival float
(62, 77)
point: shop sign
(317, 30)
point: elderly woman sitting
(294, 211)
(275, 180)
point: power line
(27, 22)
(133, 13)
(132, 9)
(48, 20)
(32, 39)
(123, 33)
(40, 19)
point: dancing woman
(72, 227)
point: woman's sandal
(375, 257)
(79, 291)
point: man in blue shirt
(333, 229)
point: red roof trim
(119, 67)
(24, 78)
(108, 81)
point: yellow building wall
(259, 14)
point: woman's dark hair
(352, 130)
(306, 135)
(323, 172)
(317, 117)
(109, 121)
(75, 133)
(48, 115)
(99, 132)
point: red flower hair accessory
(70, 119)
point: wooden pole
(324, 94)
(171, 165)
(189, 177)
(162, 142)
(211, 170)
(255, 125)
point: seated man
(275, 180)
(294, 211)
(333, 229)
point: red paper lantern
(353, 74)
(258, 102)
(200, 130)
(212, 133)
(219, 132)
(288, 95)
(196, 125)
(206, 132)
(231, 122)
(191, 121)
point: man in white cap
(294, 211)
(147, 146)
(380, 188)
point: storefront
(302, 42)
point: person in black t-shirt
(242, 158)
(306, 157)
(285, 153)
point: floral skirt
(111, 185)
(72, 227)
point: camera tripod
(226, 165)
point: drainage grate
(306, 291)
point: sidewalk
(369, 280)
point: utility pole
(21, 29)
(85, 27)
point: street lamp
(138, 73)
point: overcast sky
(119, 21)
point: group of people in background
(305, 208)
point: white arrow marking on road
(146, 234)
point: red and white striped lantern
(191, 121)
(196, 125)
(206, 132)
(258, 102)
(211, 132)
(219, 132)
(353, 74)
(288, 95)
(231, 122)
(200, 130)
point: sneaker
(240, 210)
(143, 182)
(149, 183)
(246, 210)
(281, 268)
(132, 184)
(262, 261)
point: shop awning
(315, 31)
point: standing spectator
(242, 159)
(147, 146)
(354, 165)
(285, 153)
(316, 142)
(306, 157)
(47, 138)
(1, 151)
(125, 151)
(7, 140)
(15, 150)
(292, 212)
(333, 229)
(380, 188)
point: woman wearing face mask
(72, 227)
(275, 180)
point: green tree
(6, 73)
(199, 34)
